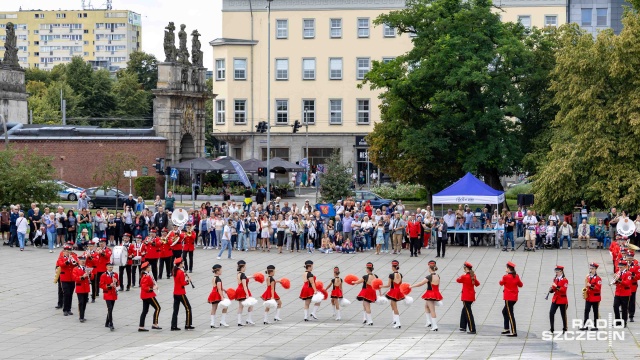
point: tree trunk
(492, 179)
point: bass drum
(119, 256)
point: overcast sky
(204, 15)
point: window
(282, 29)
(363, 112)
(220, 112)
(363, 68)
(309, 28)
(335, 68)
(308, 111)
(282, 153)
(363, 27)
(335, 111)
(551, 20)
(389, 31)
(240, 112)
(319, 155)
(282, 69)
(308, 69)
(61, 16)
(525, 20)
(336, 28)
(386, 60)
(282, 112)
(601, 17)
(221, 71)
(586, 16)
(240, 69)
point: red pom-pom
(325, 293)
(231, 293)
(405, 288)
(259, 277)
(376, 284)
(285, 283)
(319, 285)
(350, 279)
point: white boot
(369, 320)
(364, 317)
(315, 309)
(435, 324)
(334, 311)
(240, 320)
(338, 317)
(213, 321)
(277, 317)
(265, 321)
(223, 320)
(428, 316)
(306, 315)
(249, 319)
(397, 321)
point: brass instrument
(56, 277)
(616, 277)
(586, 286)
(632, 247)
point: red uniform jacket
(614, 249)
(153, 248)
(635, 271)
(110, 291)
(593, 289)
(89, 256)
(189, 241)
(101, 260)
(413, 228)
(172, 237)
(179, 282)
(136, 250)
(511, 284)
(82, 281)
(146, 287)
(67, 264)
(623, 286)
(166, 250)
(468, 292)
(560, 291)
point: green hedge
(513, 192)
(401, 192)
(145, 186)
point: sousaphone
(626, 227)
(179, 218)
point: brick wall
(77, 161)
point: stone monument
(180, 97)
(13, 92)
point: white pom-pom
(439, 303)
(408, 300)
(382, 300)
(225, 303)
(270, 304)
(318, 297)
(250, 301)
(344, 302)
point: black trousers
(441, 243)
(67, 295)
(82, 303)
(631, 308)
(95, 285)
(509, 316)
(466, 317)
(177, 300)
(145, 309)
(110, 304)
(133, 274)
(60, 294)
(165, 262)
(187, 257)
(295, 241)
(621, 303)
(588, 305)
(122, 269)
(414, 245)
(176, 254)
(563, 313)
(154, 267)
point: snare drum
(137, 260)
(119, 256)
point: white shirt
(21, 223)
(530, 221)
(226, 235)
(450, 219)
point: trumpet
(616, 277)
(586, 286)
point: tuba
(179, 218)
(626, 227)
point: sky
(204, 15)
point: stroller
(358, 241)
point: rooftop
(76, 132)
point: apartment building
(50, 37)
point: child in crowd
(338, 242)
(551, 232)
(347, 246)
(325, 248)
(310, 246)
(359, 241)
(541, 231)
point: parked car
(100, 197)
(376, 201)
(68, 191)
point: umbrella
(225, 161)
(251, 165)
(199, 164)
(281, 166)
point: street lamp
(268, 99)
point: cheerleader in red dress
(242, 293)
(217, 294)
(394, 294)
(336, 292)
(270, 293)
(367, 295)
(431, 295)
(308, 290)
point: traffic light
(296, 126)
(262, 127)
(262, 171)
(159, 165)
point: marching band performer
(242, 293)
(270, 293)
(308, 289)
(394, 294)
(367, 295)
(188, 240)
(126, 242)
(175, 242)
(138, 250)
(109, 283)
(336, 292)
(511, 282)
(148, 287)
(217, 294)
(90, 255)
(67, 262)
(634, 269)
(154, 245)
(101, 259)
(559, 290)
(593, 286)
(165, 255)
(431, 295)
(622, 281)
(180, 280)
(81, 276)
(468, 281)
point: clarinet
(547, 297)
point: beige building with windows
(46, 38)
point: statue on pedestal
(183, 52)
(170, 51)
(11, 49)
(196, 53)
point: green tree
(447, 104)
(131, 98)
(111, 173)
(25, 177)
(44, 100)
(79, 76)
(145, 67)
(101, 101)
(336, 182)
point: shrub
(401, 192)
(145, 186)
(513, 192)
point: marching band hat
(138, 236)
(103, 239)
(177, 261)
(216, 267)
(559, 268)
(308, 262)
(622, 263)
(241, 262)
(395, 263)
(271, 267)
(164, 230)
(109, 263)
(370, 264)
(82, 257)
(594, 265)
(93, 241)
(631, 253)
(67, 247)
(126, 234)
(468, 265)
(152, 230)
(431, 262)
(510, 264)
(145, 265)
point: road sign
(130, 173)
(174, 174)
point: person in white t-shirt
(21, 225)
(529, 222)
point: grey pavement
(31, 328)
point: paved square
(31, 328)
